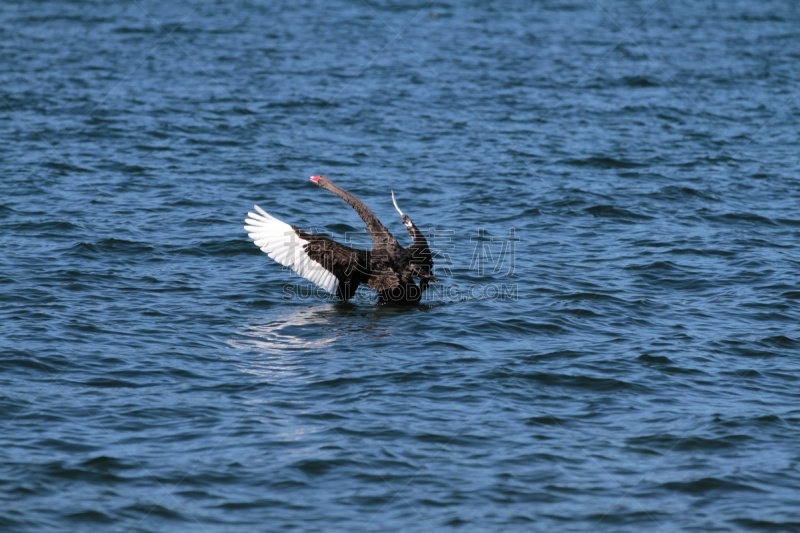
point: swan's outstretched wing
(331, 266)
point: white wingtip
(395, 205)
(279, 240)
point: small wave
(582, 312)
(645, 519)
(525, 214)
(684, 192)
(90, 516)
(655, 359)
(545, 420)
(592, 383)
(449, 346)
(742, 219)
(638, 82)
(26, 360)
(65, 168)
(766, 525)
(617, 213)
(318, 467)
(602, 162)
(134, 30)
(744, 422)
(703, 253)
(517, 325)
(153, 148)
(656, 266)
(62, 226)
(105, 463)
(148, 509)
(448, 439)
(110, 383)
(224, 248)
(590, 296)
(708, 484)
(314, 103)
(779, 341)
(668, 442)
(256, 503)
(110, 246)
(128, 169)
(793, 222)
(78, 472)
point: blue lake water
(612, 191)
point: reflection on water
(288, 330)
(279, 341)
(279, 337)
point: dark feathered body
(389, 269)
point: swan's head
(320, 180)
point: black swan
(388, 268)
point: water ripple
(613, 344)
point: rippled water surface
(612, 190)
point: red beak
(315, 179)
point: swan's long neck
(381, 237)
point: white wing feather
(395, 205)
(278, 240)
